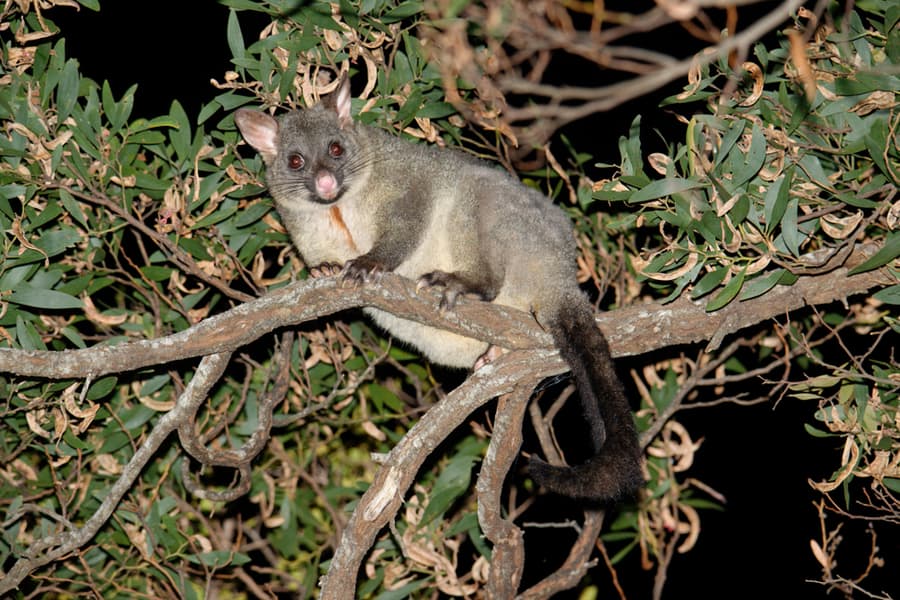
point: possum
(359, 200)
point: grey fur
(445, 219)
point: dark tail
(614, 470)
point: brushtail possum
(355, 196)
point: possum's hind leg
(453, 285)
(456, 284)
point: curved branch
(577, 563)
(508, 556)
(239, 458)
(384, 497)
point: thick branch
(631, 330)
(508, 556)
(384, 497)
(642, 328)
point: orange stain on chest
(337, 219)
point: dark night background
(758, 457)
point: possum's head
(311, 155)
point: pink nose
(326, 185)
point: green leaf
(102, 387)
(217, 559)
(402, 593)
(889, 295)
(34, 297)
(729, 140)
(761, 285)
(436, 110)
(27, 335)
(452, 483)
(777, 198)
(57, 241)
(207, 111)
(404, 10)
(410, 108)
(383, 397)
(886, 254)
(181, 134)
(709, 282)
(320, 17)
(865, 82)
(113, 441)
(235, 37)
(73, 207)
(67, 90)
(815, 432)
(243, 5)
(109, 103)
(136, 416)
(154, 383)
(877, 144)
(665, 187)
(790, 232)
(630, 149)
(749, 165)
(727, 294)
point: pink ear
(260, 130)
(342, 103)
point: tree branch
(632, 330)
(54, 547)
(531, 358)
(384, 497)
(508, 556)
(515, 65)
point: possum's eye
(335, 150)
(295, 161)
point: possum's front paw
(362, 270)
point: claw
(452, 287)
(324, 270)
(448, 299)
(362, 270)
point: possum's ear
(259, 130)
(339, 102)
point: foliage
(792, 172)
(120, 229)
(780, 180)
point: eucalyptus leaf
(33, 297)
(234, 36)
(888, 295)
(728, 293)
(452, 483)
(888, 252)
(664, 187)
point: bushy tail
(614, 470)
